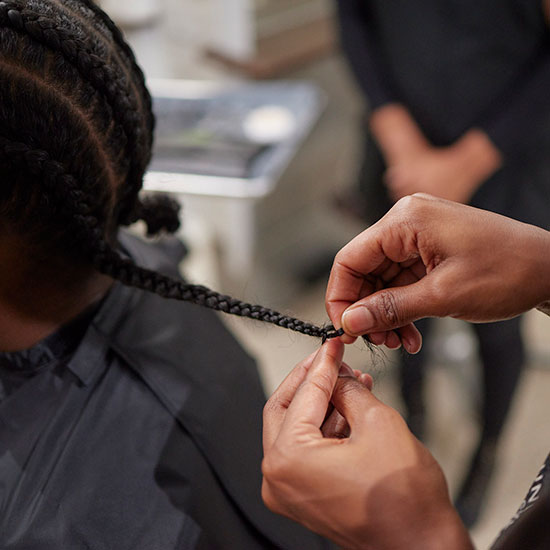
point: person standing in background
(457, 93)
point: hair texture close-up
(76, 132)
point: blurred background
(260, 134)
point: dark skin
(39, 296)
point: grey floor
(296, 227)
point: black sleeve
(358, 43)
(529, 526)
(524, 111)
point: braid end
(159, 212)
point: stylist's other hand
(378, 488)
(429, 257)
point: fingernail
(358, 320)
(345, 372)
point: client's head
(76, 131)
(76, 127)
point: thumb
(392, 308)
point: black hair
(76, 133)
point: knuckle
(389, 308)
(268, 497)
(413, 205)
(407, 202)
(386, 310)
(338, 259)
(274, 466)
(324, 384)
(421, 197)
(349, 386)
(269, 408)
(341, 260)
(382, 415)
(274, 404)
(270, 468)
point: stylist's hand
(378, 488)
(433, 258)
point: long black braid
(75, 139)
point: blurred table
(231, 142)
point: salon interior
(260, 135)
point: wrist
(453, 535)
(541, 270)
(396, 132)
(537, 271)
(478, 155)
(447, 532)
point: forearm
(396, 132)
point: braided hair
(76, 133)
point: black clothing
(144, 437)
(528, 529)
(17, 368)
(500, 376)
(455, 65)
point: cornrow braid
(94, 69)
(135, 207)
(77, 212)
(123, 45)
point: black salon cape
(148, 439)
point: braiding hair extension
(76, 132)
